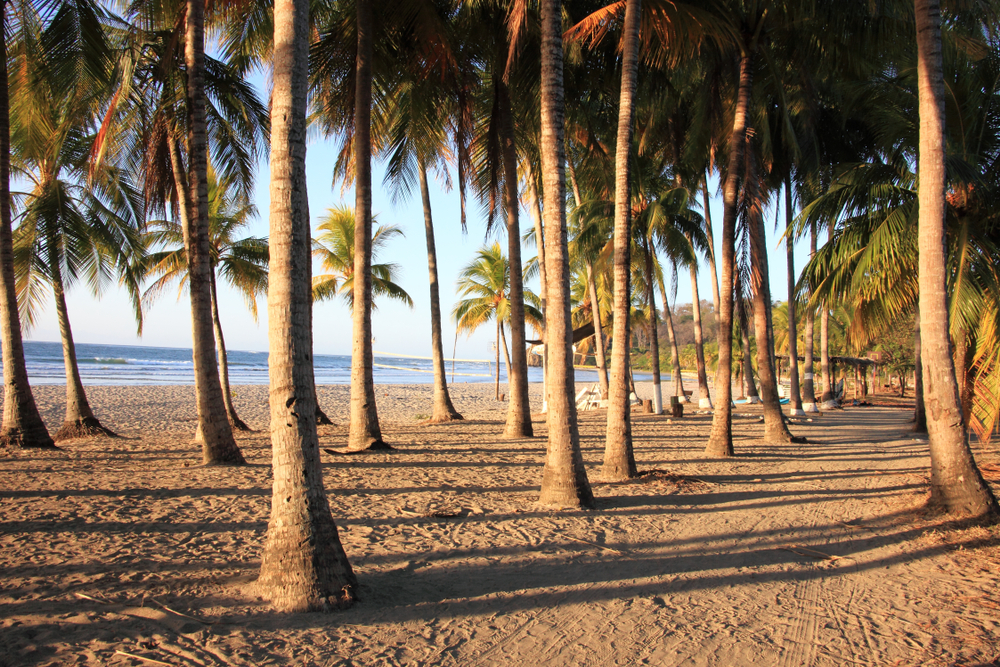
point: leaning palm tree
(303, 565)
(77, 222)
(241, 262)
(334, 248)
(485, 285)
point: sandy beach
(126, 552)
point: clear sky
(397, 328)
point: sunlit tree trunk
(919, 412)
(303, 565)
(826, 380)
(654, 342)
(704, 397)
(217, 443)
(22, 424)
(443, 409)
(808, 387)
(774, 421)
(518, 409)
(711, 245)
(80, 420)
(543, 278)
(795, 396)
(619, 460)
(235, 422)
(564, 478)
(720, 442)
(675, 354)
(365, 431)
(956, 484)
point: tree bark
(748, 374)
(619, 459)
(564, 478)
(711, 246)
(506, 357)
(303, 566)
(235, 422)
(827, 401)
(675, 355)
(654, 342)
(704, 397)
(543, 279)
(919, 412)
(956, 484)
(518, 409)
(217, 443)
(497, 393)
(22, 424)
(365, 431)
(808, 388)
(80, 421)
(443, 409)
(774, 421)
(720, 442)
(795, 397)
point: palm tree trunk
(80, 421)
(619, 460)
(595, 305)
(720, 442)
(711, 245)
(808, 388)
(675, 354)
(956, 484)
(303, 566)
(218, 445)
(748, 374)
(235, 422)
(654, 342)
(365, 431)
(443, 409)
(564, 479)
(919, 412)
(506, 357)
(518, 410)
(795, 398)
(22, 424)
(543, 278)
(498, 358)
(595, 315)
(826, 399)
(704, 397)
(774, 421)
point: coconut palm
(303, 565)
(76, 222)
(240, 261)
(485, 285)
(564, 479)
(334, 247)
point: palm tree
(303, 565)
(76, 222)
(619, 460)
(956, 484)
(485, 282)
(564, 479)
(242, 262)
(334, 247)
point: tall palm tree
(564, 478)
(956, 484)
(242, 262)
(76, 222)
(619, 459)
(334, 247)
(303, 565)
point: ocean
(146, 365)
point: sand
(816, 554)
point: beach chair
(589, 399)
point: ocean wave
(103, 360)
